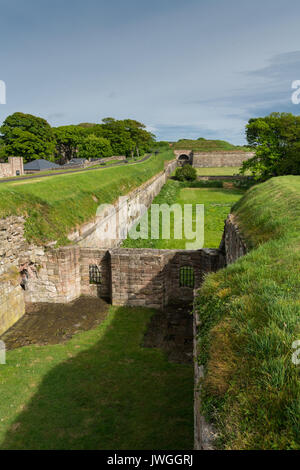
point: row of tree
(32, 137)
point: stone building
(14, 167)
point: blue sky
(186, 68)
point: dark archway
(183, 159)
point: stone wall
(12, 303)
(95, 234)
(232, 245)
(101, 259)
(14, 167)
(220, 159)
(151, 278)
(118, 158)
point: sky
(185, 68)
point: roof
(40, 164)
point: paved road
(68, 172)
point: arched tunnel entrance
(183, 159)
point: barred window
(95, 274)
(187, 277)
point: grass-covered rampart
(206, 145)
(250, 318)
(55, 205)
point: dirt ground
(172, 331)
(55, 323)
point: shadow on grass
(113, 395)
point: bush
(186, 173)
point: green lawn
(250, 317)
(100, 390)
(218, 171)
(217, 205)
(57, 204)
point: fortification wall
(220, 159)
(151, 278)
(233, 246)
(12, 302)
(14, 167)
(95, 234)
(62, 275)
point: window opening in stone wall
(95, 274)
(187, 277)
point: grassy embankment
(55, 205)
(100, 390)
(217, 202)
(250, 317)
(204, 145)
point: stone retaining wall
(220, 159)
(12, 303)
(151, 278)
(92, 233)
(232, 245)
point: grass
(204, 145)
(250, 317)
(218, 171)
(217, 202)
(56, 205)
(101, 390)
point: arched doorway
(183, 159)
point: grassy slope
(57, 204)
(218, 203)
(205, 145)
(250, 316)
(101, 390)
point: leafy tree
(186, 173)
(94, 147)
(67, 140)
(275, 139)
(27, 136)
(128, 137)
(142, 139)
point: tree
(128, 137)
(94, 147)
(275, 139)
(27, 136)
(67, 140)
(142, 139)
(186, 173)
